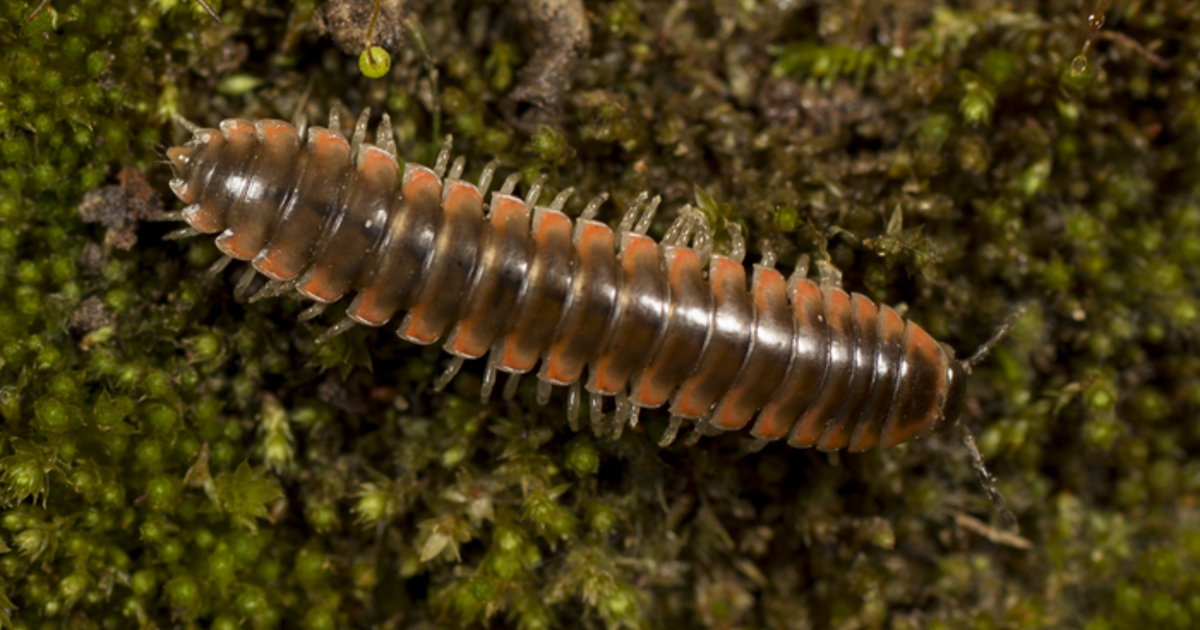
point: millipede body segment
(651, 323)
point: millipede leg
(798, 274)
(634, 410)
(335, 330)
(596, 412)
(443, 158)
(216, 268)
(456, 169)
(828, 275)
(451, 371)
(273, 289)
(489, 377)
(187, 125)
(312, 311)
(621, 416)
(300, 116)
(360, 132)
(535, 191)
(702, 240)
(693, 438)
(243, 285)
(573, 394)
(702, 428)
(385, 138)
(510, 386)
(768, 255)
(543, 392)
(737, 249)
(182, 233)
(510, 184)
(681, 228)
(668, 436)
(560, 200)
(756, 445)
(593, 206)
(485, 178)
(643, 223)
(631, 214)
(166, 216)
(335, 118)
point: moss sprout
(170, 456)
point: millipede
(613, 312)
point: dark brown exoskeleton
(654, 323)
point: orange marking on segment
(807, 432)
(867, 434)
(317, 286)
(508, 205)
(270, 265)
(590, 236)
(638, 252)
(512, 359)
(725, 276)
(688, 404)
(237, 130)
(771, 425)
(467, 342)
(919, 349)
(768, 287)
(733, 412)
(419, 180)
(273, 131)
(200, 219)
(837, 436)
(365, 308)
(547, 225)
(416, 330)
(234, 245)
(326, 142)
(593, 234)
(812, 423)
(461, 198)
(558, 373)
(803, 292)
(647, 392)
(605, 383)
(378, 165)
(775, 420)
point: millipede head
(180, 157)
(956, 394)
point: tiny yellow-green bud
(374, 62)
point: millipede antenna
(988, 345)
(1007, 518)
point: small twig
(211, 12)
(1125, 41)
(1000, 537)
(38, 9)
(371, 31)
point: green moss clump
(170, 456)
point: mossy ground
(173, 458)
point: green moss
(196, 460)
